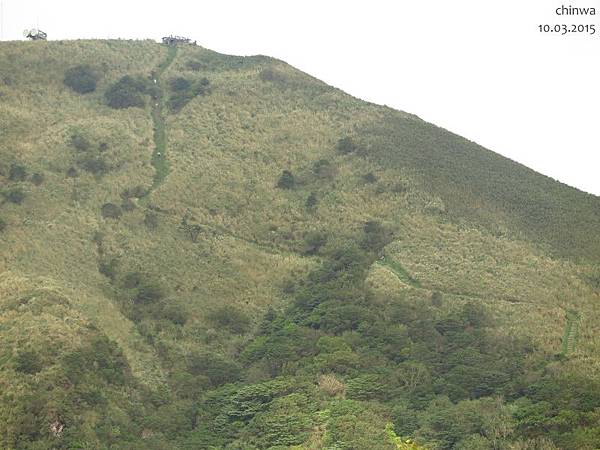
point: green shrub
(148, 292)
(2, 225)
(285, 424)
(17, 172)
(365, 387)
(111, 211)
(134, 192)
(142, 289)
(97, 166)
(28, 362)
(132, 280)
(230, 318)
(346, 145)
(174, 313)
(286, 180)
(81, 79)
(323, 169)
(180, 84)
(108, 268)
(375, 236)
(313, 242)
(399, 188)
(128, 205)
(128, 92)
(272, 75)
(37, 178)
(151, 220)
(184, 90)
(370, 178)
(196, 66)
(99, 360)
(80, 142)
(218, 369)
(193, 230)
(15, 195)
(311, 201)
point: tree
(286, 180)
(81, 79)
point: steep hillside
(211, 251)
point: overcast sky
(479, 68)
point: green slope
(486, 188)
(244, 257)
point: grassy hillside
(211, 251)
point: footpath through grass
(399, 271)
(159, 156)
(571, 333)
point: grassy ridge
(483, 187)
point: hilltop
(210, 251)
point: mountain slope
(266, 262)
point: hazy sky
(479, 68)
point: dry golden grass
(329, 384)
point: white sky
(480, 68)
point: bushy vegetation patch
(37, 178)
(231, 319)
(88, 154)
(81, 79)
(273, 75)
(286, 180)
(346, 145)
(183, 90)
(28, 361)
(311, 201)
(111, 211)
(14, 195)
(17, 172)
(130, 92)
